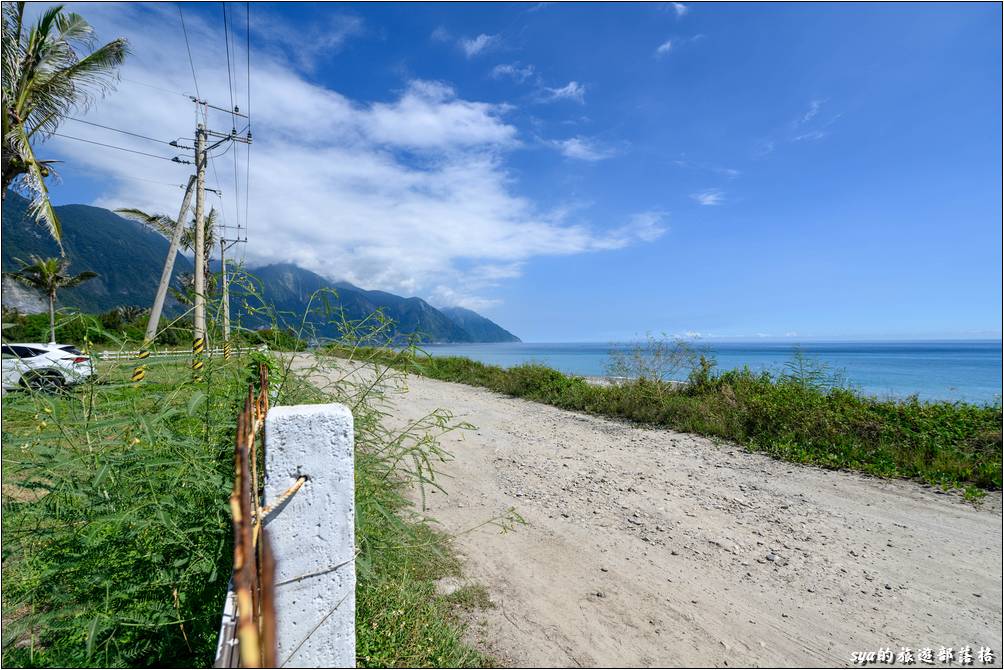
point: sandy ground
(648, 547)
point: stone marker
(312, 534)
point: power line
(237, 193)
(247, 164)
(230, 81)
(124, 132)
(132, 151)
(224, 152)
(189, 48)
(122, 176)
(158, 88)
(223, 211)
(247, 50)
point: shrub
(805, 415)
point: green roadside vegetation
(117, 535)
(803, 416)
(124, 328)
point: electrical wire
(112, 146)
(223, 153)
(122, 176)
(237, 191)
(124, 132)
(237, 183)
(230, 81)
(247, 164)
(158, 88)
(223, 211)
(188, 46)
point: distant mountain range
(128, 258)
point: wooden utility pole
(226, 292)
(201, 259)
(199, 332)
(165, 276)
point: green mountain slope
(128, 259)
(480, 328)
(289, 287)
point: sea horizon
(966, 370)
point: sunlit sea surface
(933, 370)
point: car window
(72, 350)
(8, 352)
(26, 352)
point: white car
(44, 367)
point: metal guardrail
(131, 355)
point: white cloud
(429, 115)
(409, 194)
(514, 71)
(573, 90)
(305, 46)
(811, 135)
(477, 45)
(677, 43)
(582, 148)
(644, 226)
(710, 197)
(814, 107)
(731, 173)
(680, 9)
(440, 34)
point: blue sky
(593, 172)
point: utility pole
(201, 158)
(200, 238)
(226, 298)
(165, 276)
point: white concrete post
(312, 534)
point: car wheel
(44, 381)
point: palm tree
(185, 294)
(130, 313)
(48, 275)
(44, 79)
(164, 225)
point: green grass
(790, 417)
(117, 535)
(117, 548)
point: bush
(805, 415)
(117, 547)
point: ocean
(933, 370)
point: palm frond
(41, 206)
(43, 79)
(77, 280)
(161, 223)
(74, 28)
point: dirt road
(650, 547)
